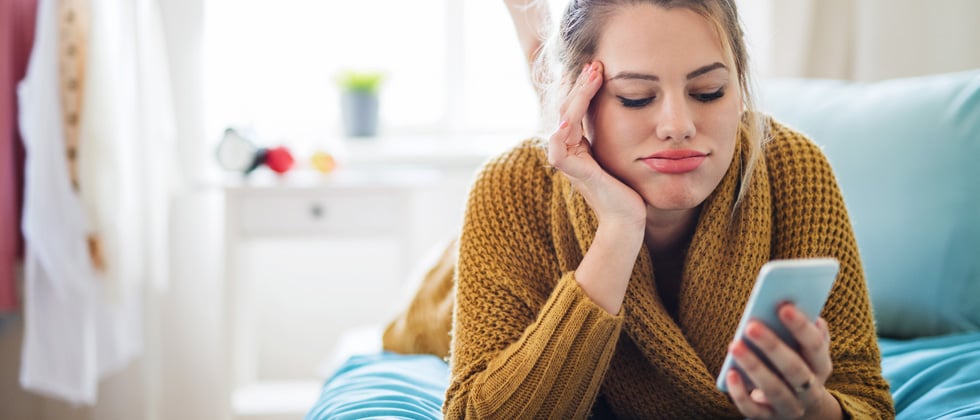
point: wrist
(827, 407)
(605, 269)
(624, 229)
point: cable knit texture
(528, 343)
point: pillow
(907, 156)
(385, 385)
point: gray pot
(360, 113)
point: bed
(905, 153)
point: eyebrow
(653, 78)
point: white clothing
(81, 325)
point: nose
(675, 120)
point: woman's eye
(708, 97)
(635, 103)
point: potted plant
(359, 102)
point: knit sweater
(528, 343)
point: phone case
(805, 282)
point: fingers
(770, 389)
(575, 106)
(814, 340)
(787, 381)
(568, 141)
(567, 135)
(748, 405)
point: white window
(453, 68)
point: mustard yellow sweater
(528, 343)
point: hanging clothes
(127, 141)
(17, 19)
(73, 40)
(83, 323)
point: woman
(603, 272)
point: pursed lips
(675, 161)
(674, 154)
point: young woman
(603, 271)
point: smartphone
(804, 282)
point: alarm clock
(237, 153)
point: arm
(530, 18)
(524, 345)
(527, 342)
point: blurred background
(248, 283)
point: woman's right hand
(569, 151)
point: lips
(673, 161)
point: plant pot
(360, 113)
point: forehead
(651, 39)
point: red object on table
(279, 159)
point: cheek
(723, 126)
(612, 127)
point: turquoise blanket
(936, 377)
(931, 378)
(386, 385)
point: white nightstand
(411, 189)
(397, 204)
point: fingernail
(736, 350)
(562, 124)
(787, 313)
(733, 377)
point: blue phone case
(805, 282)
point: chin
(675, 201)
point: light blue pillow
(386, 385)
(907, 156)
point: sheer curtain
(862, 40)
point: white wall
(191, 368)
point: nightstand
(398, 204)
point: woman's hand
(568, 150)
(795, 388)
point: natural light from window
(453, 68)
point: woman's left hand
(794, 387)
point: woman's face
(665, 120)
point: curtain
(862, 40)
(16, 38)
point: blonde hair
(574, 44)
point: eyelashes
(642, 102)
(708, 97)
(635, 103)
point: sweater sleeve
(527, 342)
(811, 221)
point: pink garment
(17, 20)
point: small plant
(360, 81)
(359, 101)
